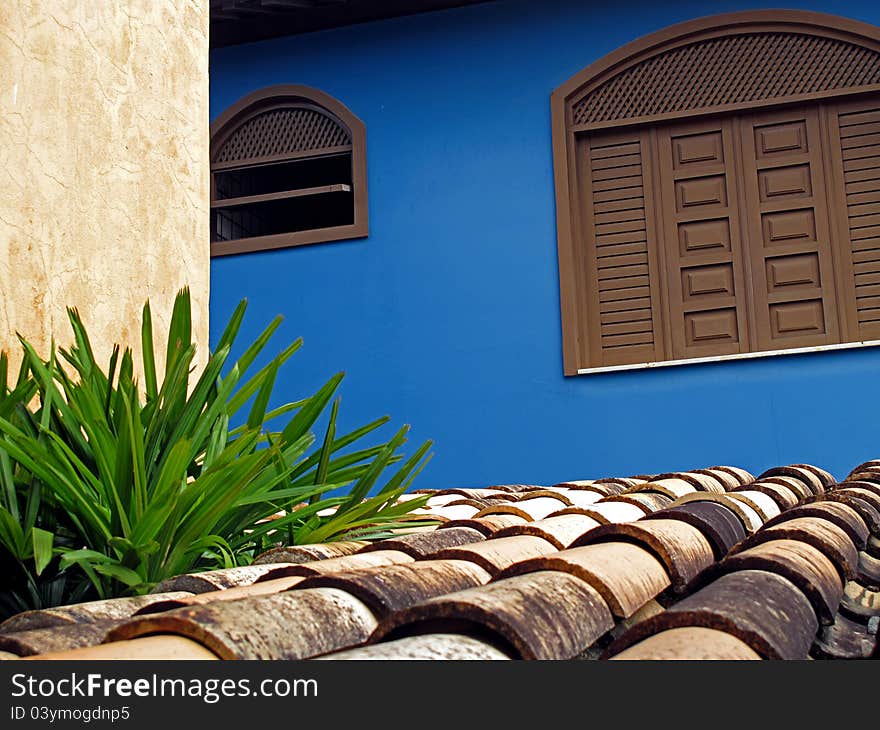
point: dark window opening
(283, 176)
(317, 208)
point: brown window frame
(292, 96)
(572, 126)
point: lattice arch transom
(730, 70)
(282, 131)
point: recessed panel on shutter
(786, 214)
(858, 126)
(702, 241)
(621, 303)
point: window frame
(572, 217)
(283, 96)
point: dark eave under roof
(245, 21)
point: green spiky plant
(118, 488)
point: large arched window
(288, 167)
(718, 192)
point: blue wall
(447, 316)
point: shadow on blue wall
(447, 316)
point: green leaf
(43, 542)
(148, 353)
(309, 413)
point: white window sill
(725, 358)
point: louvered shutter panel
(622, 307)
(859, 134)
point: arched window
(288, 168)
(718, 192)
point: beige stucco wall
(103, 165)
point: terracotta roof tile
(542, 615)
(837, 513)
(725, 478)
(691, 642)
(427, 646)
(683, 549)
(626, 576)
(261, 588)
(742, 475)
(719, 524)
(803, 565)
(673, 487)
(289, 625)
(580, 497)
(487, 525)
(817, 532)
(607, 511)
(56, 638)
(764, 610)
(389, 588)
(802, 472)
(215, 580)
(784, 497)
(115, 608)
(561, 530)
(844, 639)
(648, 502)
(308, 553)
(865, 509)
(337, 565)
(765, 506)
(423, 544)
(497, 554)
(750, 519)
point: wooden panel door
(785, 217)
(622, 302)
(702, 239)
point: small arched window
(288, 168)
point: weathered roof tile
(543, 615)
(718, 523)
(805, 566)
(110, 609)
(627, 576)
(764, 610)
(683, 549)
(389, 588)
(497, 554)
(289, 625)
(690, 642)
(423, 544)
(308, 553)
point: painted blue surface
(447, 316)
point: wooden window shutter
(718, 191)
(858, 161)
(622, 308)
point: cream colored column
(104, 197)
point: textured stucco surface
(103, 166)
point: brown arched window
(718, 192)
(288, 168)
